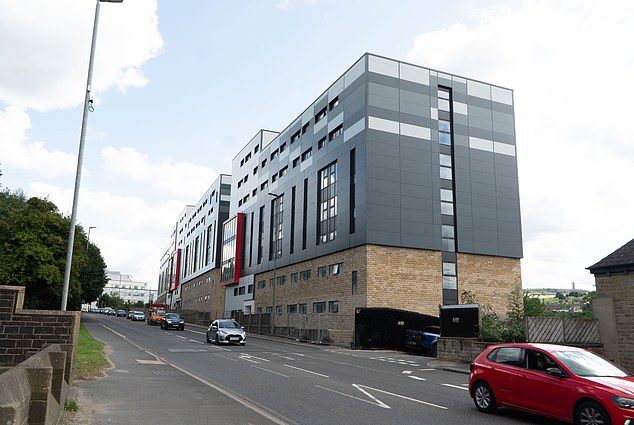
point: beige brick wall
(491, 279)
(619, 287)
(406, 279)
(203, 298)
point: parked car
(423, 341)
(566, 383)
(138, 316)
(173, 320)
(226, 331)
(130, 314)
(121, 313)
(111, 311)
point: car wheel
(207, 338)
(434, 351)
(483, 397)
(243, 344)
(182, 328)
(217, 340)
(591, 413)
(163, 326)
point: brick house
(612, 305)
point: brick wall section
(406, 279)
(491, 279)
(23, 333)
(194, 307)
(620, 287)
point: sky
(180, 87)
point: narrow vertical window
(277, 221)
(261, 235)
(305, 214)
(293, 220)
(352, 210)
(354, 282)
(327, 204)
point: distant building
(124, 287)
(612, 304)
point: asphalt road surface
(293, 383)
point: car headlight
(623, 402)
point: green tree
(535, 307)
(33, 243)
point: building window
(305, 127)
(307, 154)
(281, 280)
(321, 143)
(263, 163)
(333, 103)
(295, 137)
(283, 171)
(261, 284)
(321, 115)
(235, 292)
(279, 310)
(277, 221)
(283, 147)
(334, 133)
(241, 290)
(354, 282)
(333, 306)
(295, 162)
(291, 309)
(327, 201)
(261, 235)
(319, 307)
(294, 277)
(305, 275)
(335, 269)
(302, 309)
(321, 272)
(274, 154)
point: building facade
(612, 304)
(396, 188)
(123, 286)
(190, 272)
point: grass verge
(90, 361)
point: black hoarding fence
(386, 327)
(460, 321)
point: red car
(566, 383)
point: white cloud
(571, 77)
(46, 47)
(19, 152)
(128, 231)
(184, 179)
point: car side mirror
(555, 371)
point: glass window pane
(446, 208)
(445, 173)
(444, 126)
(449, 282)
(448, 245)
(443, 105)
(444, 138)
(445, 160)
(448, 269)
(446, 195)
(447, 231)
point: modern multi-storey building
(190, 272)
(396, 188)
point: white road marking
(249, 360)
(383, 405)
(456, 386)
(272, 371)
(403, 397)
(425, 370)
(196, 341)
(407, 372)
(245, 356)
(376, 400)
(307, 371)
(418, 378)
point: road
(308, 384)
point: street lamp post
(88, 237)
(275, 197)
(80, 156)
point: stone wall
(37, 349)
(462, 350)
(491, 279)
(26, 332)
(613, 309)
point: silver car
(226, 331)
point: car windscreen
(229, 325)
(584, 363)
(172, 316)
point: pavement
(141, 389)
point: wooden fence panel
(561, 330)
